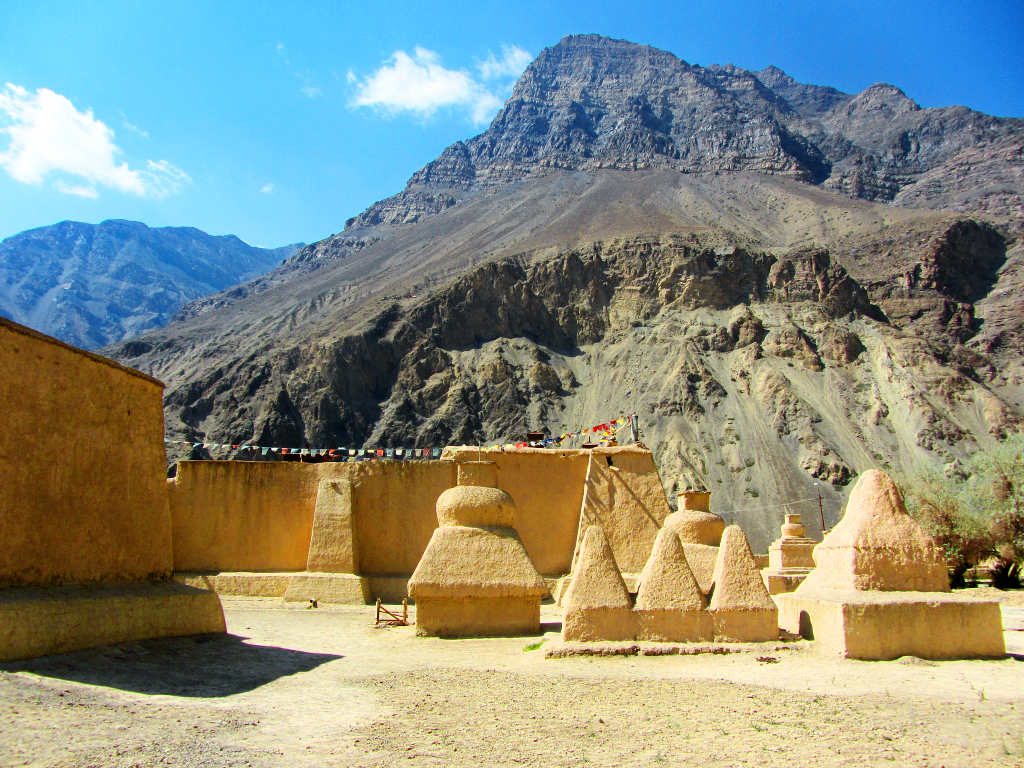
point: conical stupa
(597, 604)
(669, 604)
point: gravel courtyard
(292, 686)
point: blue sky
(277, 121)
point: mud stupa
(597, 604)
(880, 588)
(475, 578)
(740, 606)
(669, 603)
(700, 531)
(790, 557)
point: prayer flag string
(603, 432)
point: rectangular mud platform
(39, 621)
(477, 616)
(886, 625)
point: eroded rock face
(633, 233)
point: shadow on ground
(200, 665)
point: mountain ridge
(95, 284)
(774, 325)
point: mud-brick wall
(244, 515)
(82, 466)
(258, 516)
(394, 513)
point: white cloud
(78, 190)
(420, 84)
(48, 137)
(267, 188)
(163, 179)
(133, 128)
(511, 64)
(311, 91)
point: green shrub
(978, 513)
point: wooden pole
(821, 510)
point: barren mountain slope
(633, 232)
(768, 333)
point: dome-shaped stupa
(476, 500)
(475, 577)
(693, 521)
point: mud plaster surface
(298, 687)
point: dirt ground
(291, 686)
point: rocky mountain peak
(590, 102)
(887, 100)
(808, 100)
(773, 76)
(581, 62)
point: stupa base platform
(40, 621)
(337, 588)
(780, 582)
(671, 626)
(595, 624)
(390, 589)
(477, 616)
(343, 588)
(876, 625)
(238, 583)
(745, 626)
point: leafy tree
(942, 508)
(978, 512)
(998, 484)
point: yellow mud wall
(245, 515)
(258, 516)
(393, 505)
(82, 466)
(623, 494)
(547, 487)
